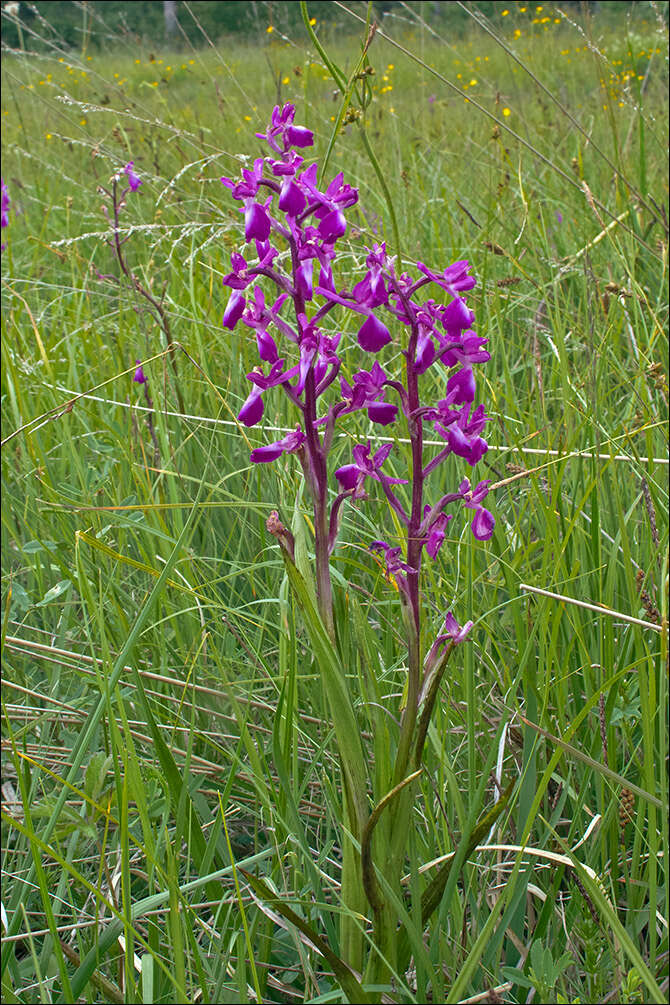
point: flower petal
(373, 335)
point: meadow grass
(163, 722)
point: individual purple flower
(238, 278)
(559, 216)
(140, 376)
(452, 634)
(365, 466)
(483, 522)
(252, 410)
(134, 180)
(436, 535)
(392, 556)
(453, 631)
(247, 187)
(455, 279)
(461, 431)
(368, 391)
(466, 349)
(282, 127)
(288, 445)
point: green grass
(149, 636)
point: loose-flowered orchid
(294, 225)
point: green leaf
(347, 730)
(516, 976)
(96, 774)
(55, 592)
(346, 978)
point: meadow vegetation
(165, 731)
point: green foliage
(160, 684)
(543, 971)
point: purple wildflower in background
(6, 203)
(133, 179)
(140, 376)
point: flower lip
(457, 316)
(333, 225)
(292, 199)
(234, 309)
(382, 412)
(252, 410)
(373, 335)
(300, 136)
(483, 524)
(256, 222)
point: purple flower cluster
(294, 224)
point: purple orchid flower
(483, 522)
(139, 376)
(364, 466)
(455, 279)
(134, 180)
(288, 445)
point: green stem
(385, 189)
(347, 89)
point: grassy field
(163, 723)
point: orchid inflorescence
(295, 225)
